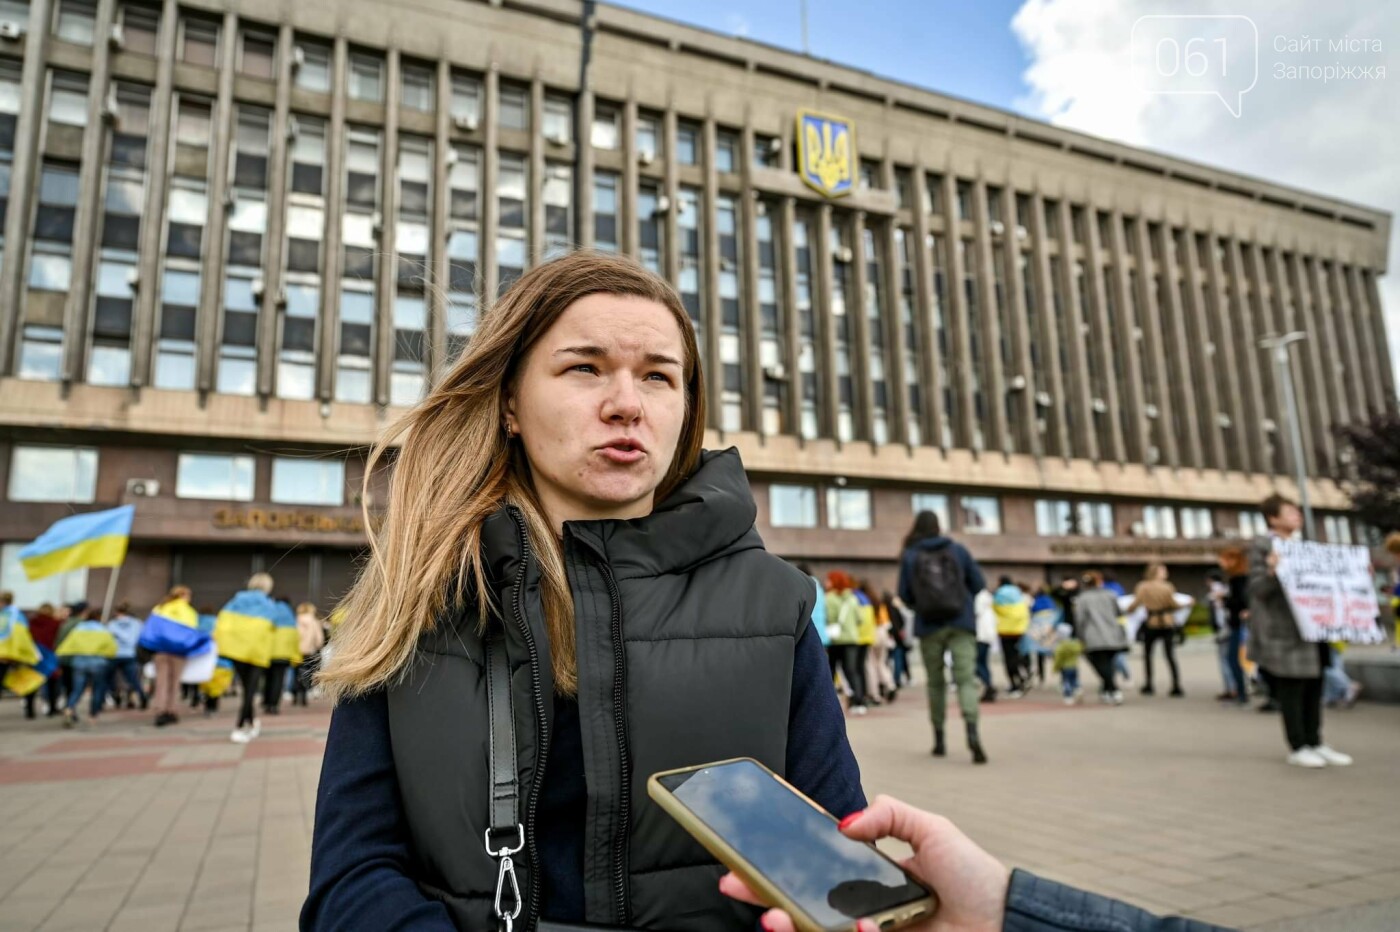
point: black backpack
(939, 592)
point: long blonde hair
(457, 466)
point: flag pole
(111, 592)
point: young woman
(244, 633)
(1096, 612)
(1234, 563)
(1157, 597)
(172, 634)
(550, 502)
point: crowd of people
(957, 620)
(257, 647)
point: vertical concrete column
(792, 326)
(23, 172)
(630, 218)
(1365, 337)
(1346, 327)
(1315, 373)
(898, 409)
(1178, 370)
(1226, 354)
(1264, 317)
(157, 182)
(862, 406)
(1020, 336)
(387, 287)
(439, 231)
(751, 322)
(998, 438)
(1285, 321)
(276, 235)
(931, 375)
(583, 184)
(671, 261)
(709, 272)
(333, 260)
(490, 170)
(957, 323)
(826, 343)
(1132, 395)
(1081, 342)
(534, 182)
(1101, 331)
(1057, 381)
(1213, 453)
(1248, 355)
(87, 220)
(1382, 344)
(1156, 345)
(211, 296)
(1332, 353)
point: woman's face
(599, 406)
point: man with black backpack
(940, 579)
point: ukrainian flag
(88, 639)
(243, 629)
(16, 643)
(217, 684)
(98, 538)
(173, 628)
(285, 643)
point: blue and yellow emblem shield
(826, 152)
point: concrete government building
(240, 236)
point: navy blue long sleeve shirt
(361, 866)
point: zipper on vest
(537, 692)
(625, 764)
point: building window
(648, 139)
(1159, 522)
(606, 131)
(1060, 518)
(726, 152)
(408, 372)
(691, 260)
(651, 227)
(869, 175)
(688, 144)
(466, 101)
(58, 589)
(214, 476)
(416, 88)
(189, 206)
(53, 474)
(311, 66)
(848, 509)
(308, 156)
(259, 53)
(366, 77)
(792, 506)
(1197, 524)
(40, 353)
(979, 514)
(807, 329)
(296, 361)
(935, 502)
(1252, 524)
(51, 265)
(1337, 529)
(841, 262)
(76, 21)
(175, 348)
(463, 247)
(304, 481)
(772, 315)
(192, 124)
(767, 151)
(558, 197)
(875, 331)
(199, 41)
(731, 316)
(140, 26)
(558, 121)
(903, 189)
(352, 380)
(238, 350)
(514, 107)
(605, 211)
(512, 183)
(68, 99)
(109, 362)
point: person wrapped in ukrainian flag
(172, 634)
(88, 649)
(243, 632)
(19, 655)
(286, 652)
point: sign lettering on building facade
(262, 519)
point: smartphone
(788, 849)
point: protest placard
(1331, 590)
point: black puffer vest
(686, 635)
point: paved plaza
(1180, 805)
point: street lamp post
(1278, 345)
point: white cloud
(1338, 137)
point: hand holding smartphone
(787, 849)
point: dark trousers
(984, 671)
(1300, 701)
(1011, 656)
(1102, 662)
(1167, 637)
(304, 678)
(130, 671)
(1232, 663)
(247, 676)
(851, 660)
(901, 664)
(274, 681)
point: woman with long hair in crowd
(1157, 596)
(561, 566)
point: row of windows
(795, 506)
(69, 474)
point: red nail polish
(846, 822)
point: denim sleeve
(820, 762)
(1034, 904)
(360, 858)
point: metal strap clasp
(505, 875)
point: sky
(1319, 113)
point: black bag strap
(505, 835)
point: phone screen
(797, 847)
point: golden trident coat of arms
(826, 148)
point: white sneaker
(1118, 697)
(256, 729)
(1335, 758)
(239, 736)
(858, 710)
(1307, 757)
